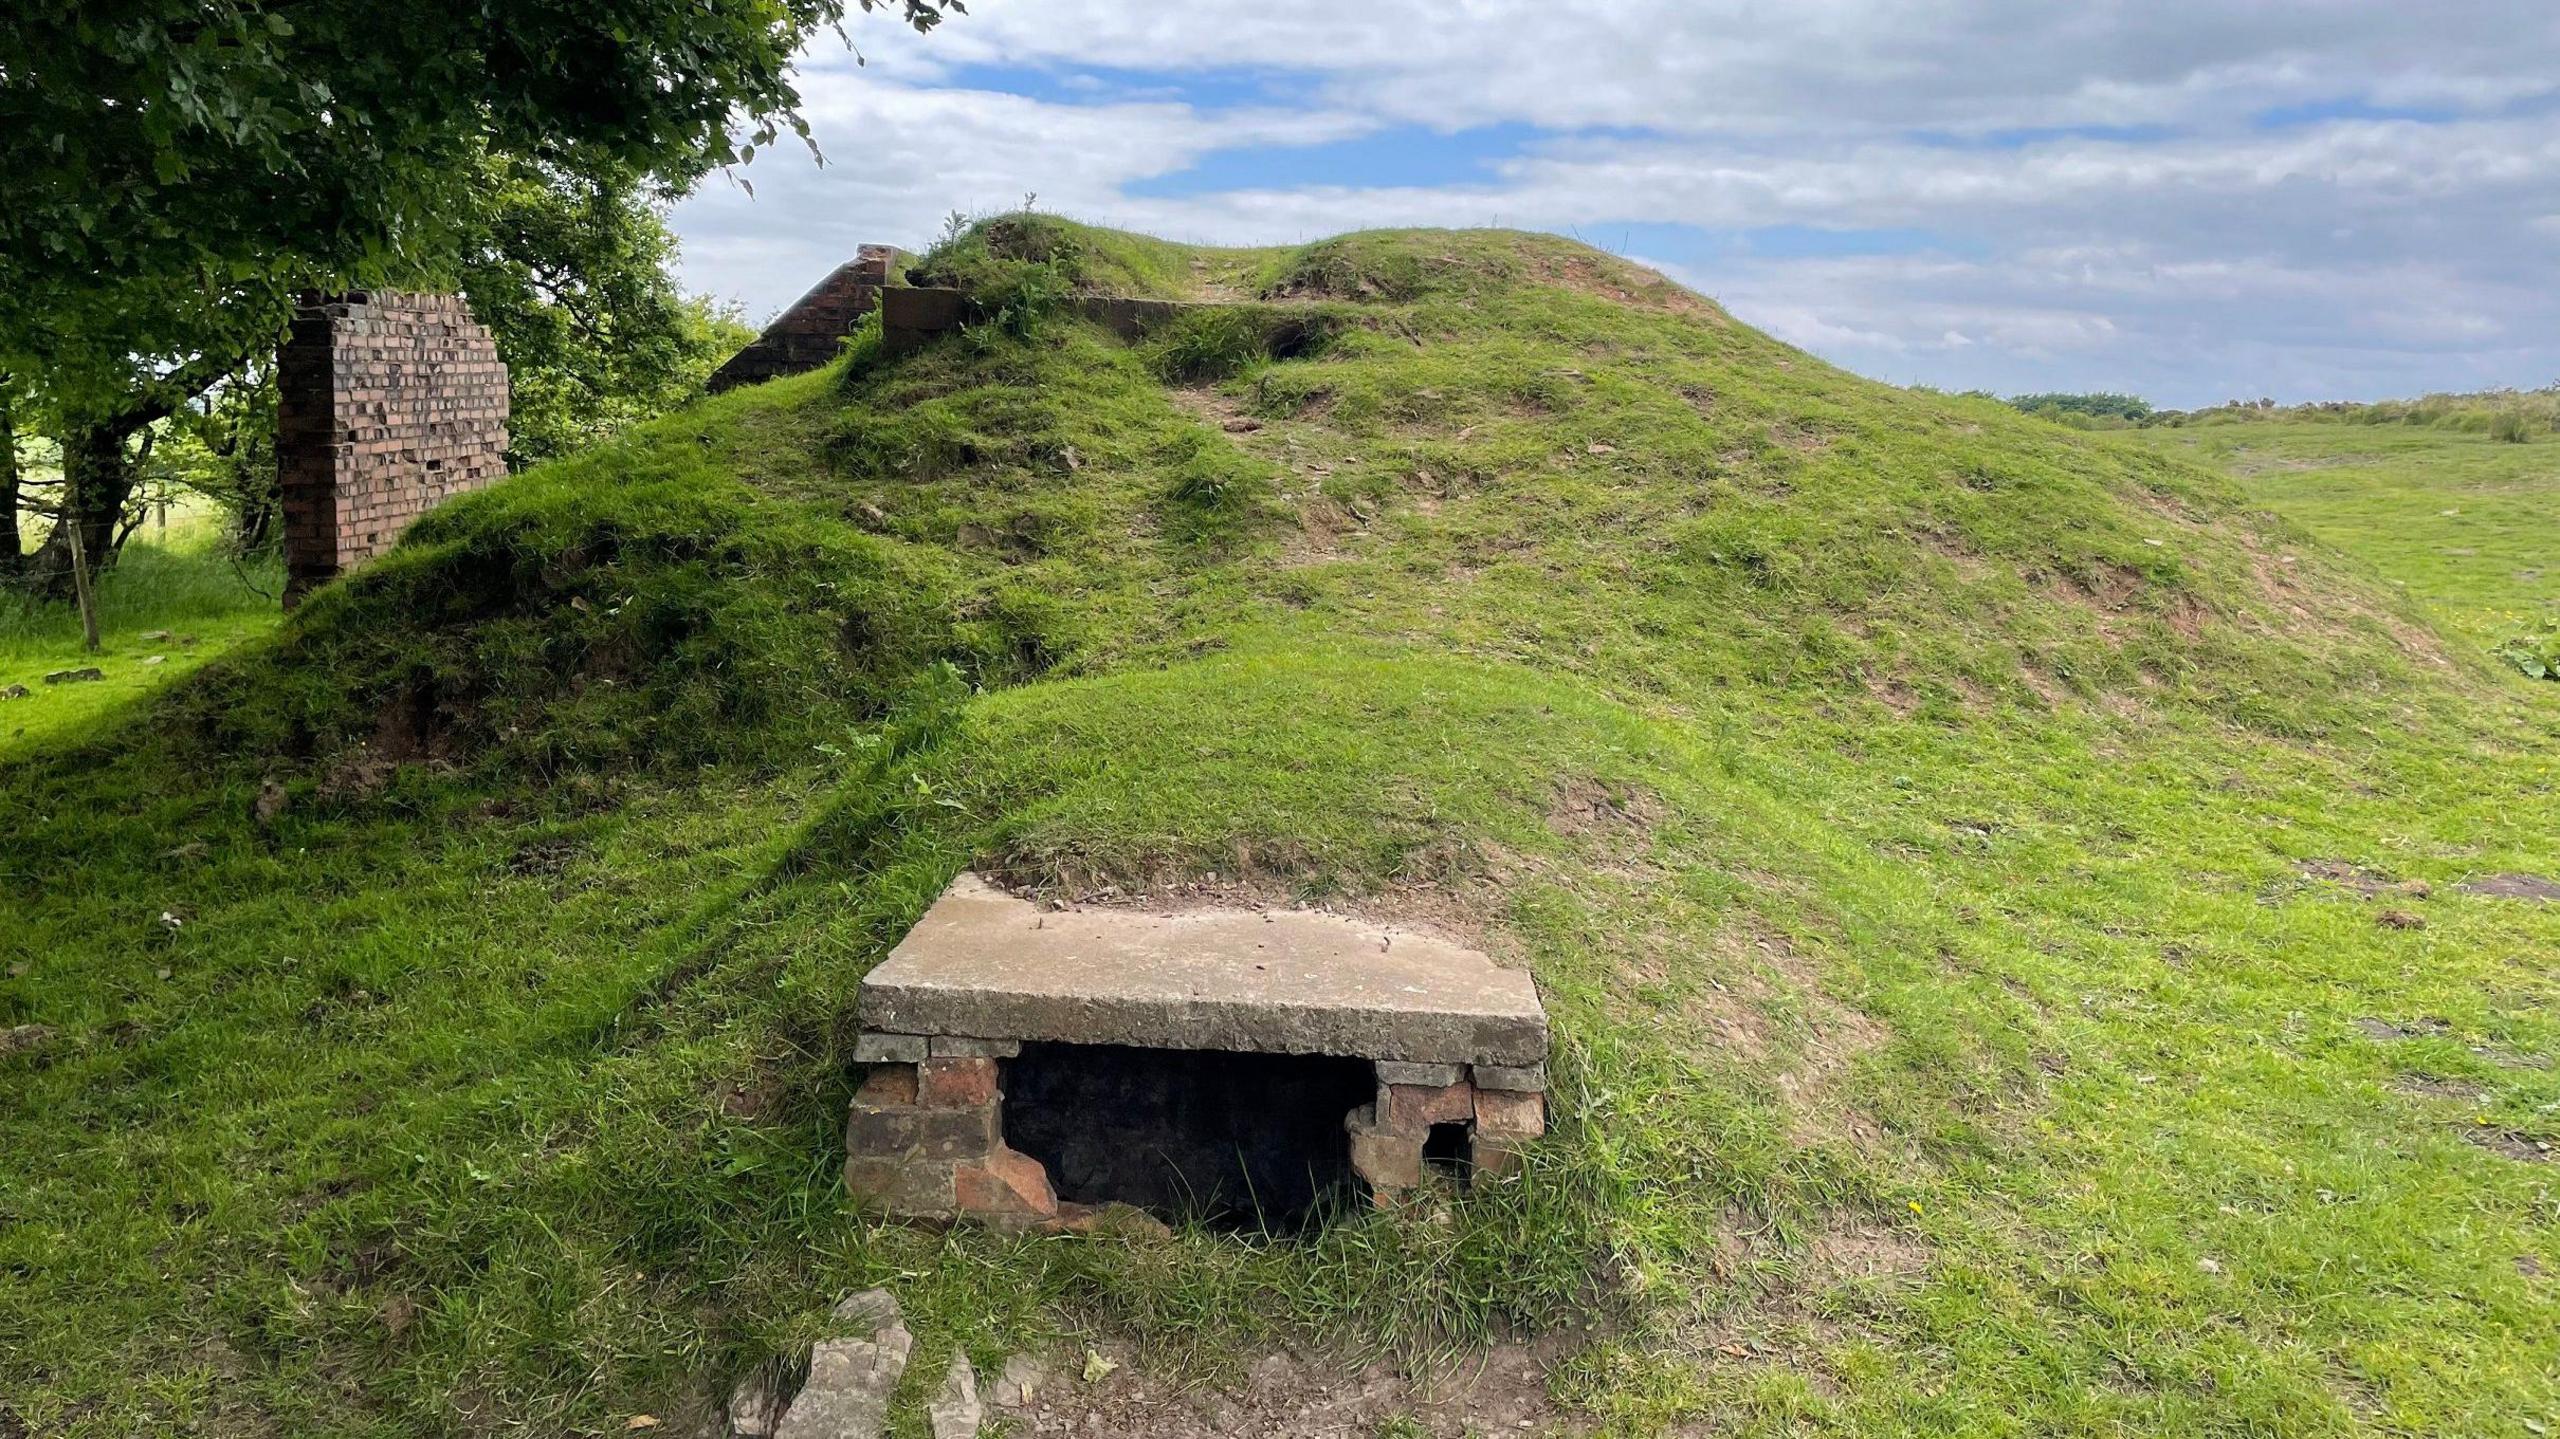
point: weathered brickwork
(925, 1138)
(388, 404)
(813, 330)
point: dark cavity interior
(1444, 1151)
(1237, 1140)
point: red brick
(956, 1083)
(371, 386)
(889, 1086)
(1514, 1114)
(1007, 1184)
(1417, 1106)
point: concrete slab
(985, 964)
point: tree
(571, 275)
(570, 272)
(177, 168)
(13, 546)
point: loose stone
(850, 1380)
(955, 1413)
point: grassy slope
(2459, 518)
(1903, 804)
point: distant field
(2463, 521)
(177, 580)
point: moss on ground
(1943, 840)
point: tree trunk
(13, 546)
(98, 477)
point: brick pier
(388, 403)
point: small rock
(155, 637)
(69, 677)
(2399, 919)
(2209, 1266)
(1019, 1380)
(955, 1413)
(164, 659)
(15, 692)
(850, 1380)
(870, 1309)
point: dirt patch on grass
(1855, 1249)
(1586, 806)
(2512, 1144)
(2429, 1086)
(2512, 886)
(2114, 593)
(2366, 882)
(1295, 1396)
(2385, 1030)
(1323, 523)
(1626, 284)
(1763, 1004)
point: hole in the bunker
(1235, 1140)
(1445, 1150)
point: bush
(2511, 427)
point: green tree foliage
(176, 168)
(571, 273)
(2129, 409)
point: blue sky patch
(2321, 112)
(1211, 89)
(1400, 155)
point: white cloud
(2332, 256)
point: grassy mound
(1951, 847)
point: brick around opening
(1001, 1032)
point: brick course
(388, 404)
(811, 332)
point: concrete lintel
(986, 963)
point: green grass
(2456, 516)
(1956, 1030)
(176, 580)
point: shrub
(2535, 653)
(2510, 427)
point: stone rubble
(850, 1380)
(1018, 1383)
(955, 1413)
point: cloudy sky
(2193, 200)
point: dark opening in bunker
(1444, 1151)
(1236, 1140)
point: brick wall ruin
(388, 404)
(811, 332)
